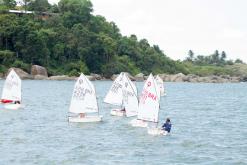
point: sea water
(209, 127)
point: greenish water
(209, 127)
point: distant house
(20, 12)
(42, 15)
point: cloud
(178, 26)
(230, 33)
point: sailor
(17, 102)
(167, 125)
(123, 110)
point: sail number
(146, 94)
(80, 93)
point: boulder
(61, 77)
(165, 77)
(91, 78)
(177, 77)
(244, 79)
(40, 77)
(96, 76)
(114, 76)
(145, 77)
(1, 76)
(22, 74)
(139, 77)
(132, 78)
(235, 79)
(38, 70)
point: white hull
(163, 94)
(86, 119)
(117, 112)
(138, 123)
(156, 131)
(12, 106)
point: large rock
(96, 76)
(40, 77)
(22, 74)
(1, 76)
(38, 70)
(178, 77)
(114, 76)
(244, 79)
(91, 78)
(132, 78)
(139, 77)
(235, 79)
(62, 77)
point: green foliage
(71, 40)
(3, 69)
(119, 64)
(39, 5)
(75, 68)
(9, 3)
(6, 57)
(22, 65)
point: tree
(215, 57)
(239, 61)
(39, 5)
(24, 3)
(223, 55)
(190, 56)
(75, 11)
(9, 3)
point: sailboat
(160, 84)
(84, 101)
(148, 104)
(11, 95)
(123, 93)
(130, 98)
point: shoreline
(40, 73)
(165, 77)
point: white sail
(83, 97)
(130, 100)
(149, 101)
(160, 84)
(115, 94)
(12, 87)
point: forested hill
(68, 39)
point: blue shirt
(167, 126)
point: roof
(21, 11)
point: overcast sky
(180, 25)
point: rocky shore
(40, 73)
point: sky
(178, 26)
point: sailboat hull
(118, 112)
(12, 106)
(86, 119)
(138, 123)
(163, 94)
(156, 131)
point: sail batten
(84, 97)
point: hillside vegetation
(68, 39)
